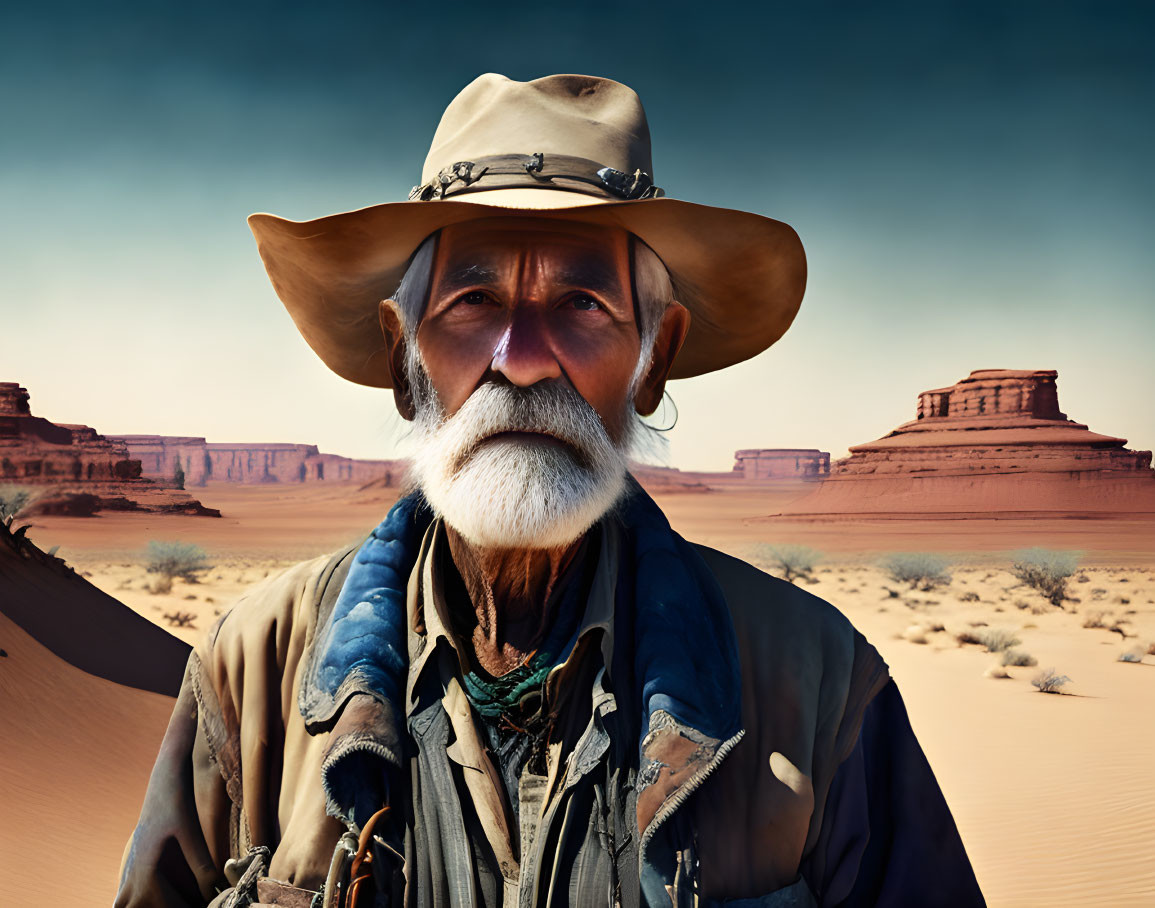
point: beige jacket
(237, 767)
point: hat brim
(741, 275)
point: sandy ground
(1053, 794)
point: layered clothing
(715, 736)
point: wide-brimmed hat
(562, 147)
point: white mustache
(555, 410)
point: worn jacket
(738, 743)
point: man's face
(532, 301)
(521, 378)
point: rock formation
(77, 470)
(201, 461)
(994, 444)
(782, 463)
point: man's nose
(524, 354)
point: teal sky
(972, 181)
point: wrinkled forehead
(595, 257)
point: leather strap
(541, 171)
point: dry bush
(1119, 627)
(922, 570)
(969, 596)
(1050, 682)
(13, 498)
(794, 561)
(1046, 570)
(1097, 620)
(997, 639)
(160, 586)
(180, 619)
(996, 671)
(965, 637)
(176, 559)
(1018, 658)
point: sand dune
(86, 690)
(74, 762)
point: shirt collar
(428, 610)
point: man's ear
(390, 317)
(670, 337)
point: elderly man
(524, 688)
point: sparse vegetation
(969, 596)
(1018, 658)
(180, 619)
(176, 559)
(1097, 620)
(1120, 627)
(997, 639)
(1050, 682)
(922, 570)
(1047, 571)
(13, 498)
(794, 561)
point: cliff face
(201, 461)
(994, 443)
(781, 463)
(83, 470)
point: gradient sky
(973, 181)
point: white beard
(519, 492)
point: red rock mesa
(782, 463)
(83, 471)
(201, 461)
(996, 443)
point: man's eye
(474, 298)
(585, 303)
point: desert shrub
(964, 637)
(969, 596)
(176, 559)
(1096, 619)
(12, 499)
(922, 570)
(180, 619)
(1050, 681)
(1046, 570)
(1018, 657)
(1120, 627)
(997, 639)
(794, 561)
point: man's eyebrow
(591, 276)
(466, 276)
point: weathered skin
(529, 301)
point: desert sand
(1052, 793)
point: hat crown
(582, 116)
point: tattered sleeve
(887, 836)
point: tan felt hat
(569, 147)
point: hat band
(541, 171)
